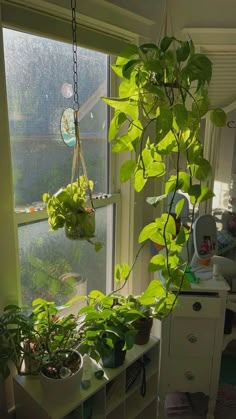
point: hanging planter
(68, 208)
(85, 227)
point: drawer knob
(192, 338)
(189, 375)
(197, 306)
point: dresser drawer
(197, 306)
(184, 375)
(192, 337)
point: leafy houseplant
(106, 327)
(67, 209)
(157, 116)
(150, 304)
(41, 340)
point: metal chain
(78, 155)
(75, 62)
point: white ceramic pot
(62, 388)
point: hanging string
(78, 154)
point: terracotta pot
(143, 326)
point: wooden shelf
(106, 398)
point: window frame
(10, 287)
(129, 205)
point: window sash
(31, 21)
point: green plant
(67, 209)
(34, 338)
(152, 303)
(103, 322)
(162, 98)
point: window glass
(58, 269)
(39, 75)
(39, 87)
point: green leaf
(199, 193)
(129, 67)
(199, 67)
(180, 280)
(96, 295)
(167, 144)
(128, 53)
(181, 115)
(156, 169)
(179, 207)
(127, 170)
(169, 223)
(183, 182)
(139, 181)
(117, 121)
(126, 105)
(201, 169)
(122, 271)
(157, 263)
(182, 236)
(122, 143)
(218, 117)
(147, 232)
(201, 105)
(154, 200)
(128, 88)
(153, 292)
(164, 122)
(183, 51)
(165, 43)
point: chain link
(75, 61)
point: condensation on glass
(58, 269)
(39, 87)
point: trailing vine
(164, 90)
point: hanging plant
(68, 207)
(163, 95)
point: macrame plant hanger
(70, 117)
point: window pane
(54, 267)
(39, 87)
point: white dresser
(191, 343)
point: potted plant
(41, 342)
(153, 303)
(163, 95)
(106, 329)
(68, 209)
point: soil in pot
(116, 356)
(61, 377)
(143, 327)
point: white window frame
(129, 206)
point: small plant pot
(143, 326)
(116, 357)
(85, 228)
(63, 388)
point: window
(39, 88)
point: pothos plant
(68, 209)
(163, 96)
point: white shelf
(107, 396)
